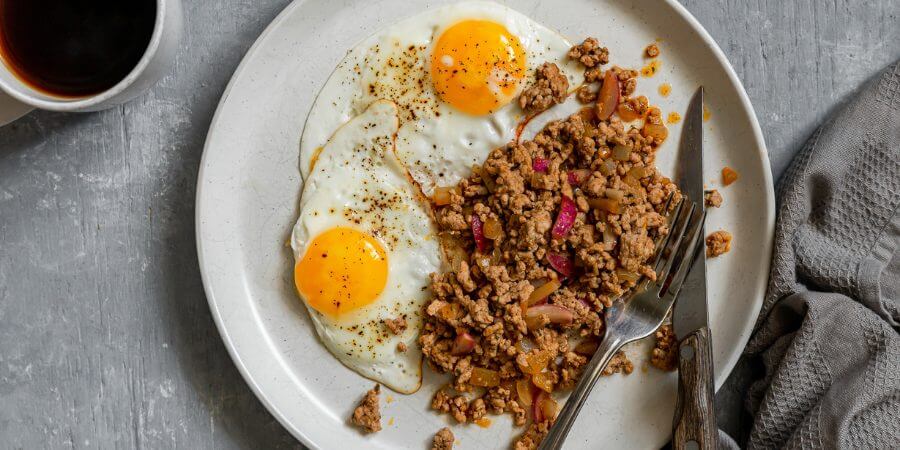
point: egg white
(436, 143)
(355, 165)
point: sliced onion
(632, 181)
(549, 408)
(627, 112)
(608, 236)
(483, 261)
(485, 377)
(492, 229)
(615, 194)
(543, 380)
(638, 172)
(540, 164)
(565, 219)
(478, 233)
(463, 344)
(655, 130)
(608, 167)
(605, 204)
(621, 152)
(524, 389)
(450, 311)
(543, 291)
(560, 263)
(578, 176)
(609, 96)
(536, 361)
(557, 314)
(442, 195)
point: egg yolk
(477, 65)
(343, 269)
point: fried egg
(364, 247)
(454, 74)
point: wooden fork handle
(695, 416)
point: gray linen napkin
(828, 331)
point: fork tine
(684, 215)
(690, 251)
(671, 219)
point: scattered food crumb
(652, 51)
(619, 364)
(396, 325)
(443, 440)
(389, 399)
(718, 243)
(713, 198)
(367, 415)
(729, 175)
(665, 351)
(590, 53)
(401, 347)
(586, 95)
(706, 113)
(391, 422)
(665, 89)
(674, 117)
(650, 69)
(483, 422)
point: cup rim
(93, 100)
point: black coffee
(74, 48)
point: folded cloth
(829, 331)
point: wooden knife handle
(695, 415)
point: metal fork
(641, 313)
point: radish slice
(560, 263)
(609, 96)
(565, 219)
(540, 165)
(463, 345)
(537, 413)
(557, 314)
(478, 233)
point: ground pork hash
(541, 238)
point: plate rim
(297, 432)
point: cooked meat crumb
(367, 415)
(665, 351)
(443, 440)
(713, 198)
(559, 242)
(586, 94)
(396, 325)
(618, 364)
(718, 243)
(652, 50)
(401, 347)
(549, 88)
(590, 53)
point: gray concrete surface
(106, 340)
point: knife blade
(690, 310)
(694, 424)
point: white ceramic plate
(249, 187)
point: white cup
(155, 63)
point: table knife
(694, 425)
